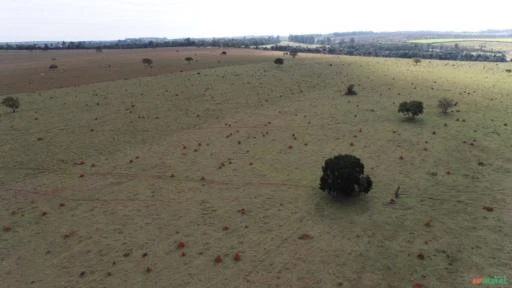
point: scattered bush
(445, 104)
(224, 53)
(147, 61)
(343, 175)
(99, 50)
(279, 61)
(416, 61)
(11, 102)
(189, 59)
(508, 70)
(411, 109)
(53, 66)
(350, 90)
(294, 52)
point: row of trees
(401, 50)
(306, 39)
(245, 42)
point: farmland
(446, 40)
(27, 71)
(140, 177)
(500, 44)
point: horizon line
(274, 35)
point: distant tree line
(402, 50)
(245, 42)
(306, 39)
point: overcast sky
(72, 20)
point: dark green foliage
(411, 109)
(279, 61)
(350, 90)
(343, 175)
(10, 102)
(398, 50)
(416, 60)
(306, 39)
(403, 107)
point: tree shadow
(413, 120)
(326, 206)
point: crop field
(26, 71)
(209, 177)
(496, 46)
(500, 45)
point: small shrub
(508, 70)
(416, 61)
(279, 61)
(411, 109)
(224, 53)
(294, 52)
(147, 61)
(53, 67)
(189, 59)
(445, 104)
(343, 175)
(11, 102)
(350, 90)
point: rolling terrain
(28, 71)
(100, 183)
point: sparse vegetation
(411, 109)
(147, 62)
(11, 102)
(53, 67)
(416, 61)
(294, 52)
(224, 53)
(189, 59)
(343, 175)
(279, 61)
(445, 104)
(351, 90)
(256, 185)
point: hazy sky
(71, 20)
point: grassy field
(101, 182)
